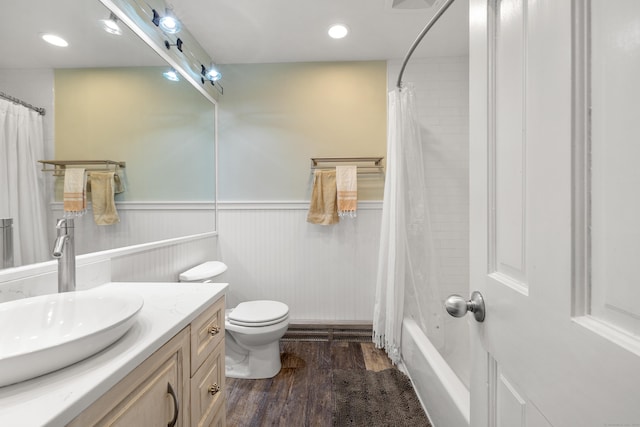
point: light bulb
(169, 23)
(213, 74)
(171, 75)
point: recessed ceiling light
(338, 31)
(55, 40)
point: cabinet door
(220, 419)
(154, 394)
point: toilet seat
(258, 313)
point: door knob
(458, 306)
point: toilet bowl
(253, 330)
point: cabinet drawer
(207, 331)
(208, 390)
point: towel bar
(365, 164)
(60, 165)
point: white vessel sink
(41, 334)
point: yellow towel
(118, 184)
(322, 209)
(102, 198)
(347, 187)
(74, 197)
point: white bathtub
(443, 395)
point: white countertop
(57, 398)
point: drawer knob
(213, 330)
(213, 389)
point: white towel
(347, 185)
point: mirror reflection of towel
(118, 186)
(74, 198)
(102, 198)
(323, 208)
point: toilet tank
(203, 273)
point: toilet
(253, 329)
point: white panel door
(554, 237)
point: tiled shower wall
(442, 86)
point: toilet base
(258, 363)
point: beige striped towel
(347, 186)
(74, 196)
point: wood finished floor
(301, 394)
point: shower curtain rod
(39, 110)
(423, 33)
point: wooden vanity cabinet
(185, 373)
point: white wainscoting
(165, 261)
(325, 274)
(140, 222)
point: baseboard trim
(350, 332)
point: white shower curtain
(406, 260)
(21, 182)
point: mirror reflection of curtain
(21, 182)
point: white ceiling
(260, 31)
(234, 31)
(78, 22)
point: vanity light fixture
(178, 44)
(338, 31)
(168, 22)
(55, 40)
(111, 25)
(212, 74)
(172, 75)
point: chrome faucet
(6, 242)
(64, 251)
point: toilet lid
(258, 313)
(203, 271)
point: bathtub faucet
(64, 251)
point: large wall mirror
(107, 99)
